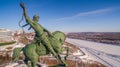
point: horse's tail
(16, 53)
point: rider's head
(36, 18)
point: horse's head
(60, 36)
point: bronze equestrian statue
(43, 44)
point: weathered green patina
(43, 44)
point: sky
(64, 15)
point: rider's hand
(51, 35)
(22, 4)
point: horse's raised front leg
(67, 53)
(62, 61)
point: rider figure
(40, 32)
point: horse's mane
(59, 35)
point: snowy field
(107, 54)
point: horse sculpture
(52, 43)
(33, 51)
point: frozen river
(107, 54)
(107, 48)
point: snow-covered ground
(104, 53)
(12, 45)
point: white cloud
(93, 12)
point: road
(106, 54)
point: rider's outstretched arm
(28, 20)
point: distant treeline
(102, 37)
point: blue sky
(64, 15)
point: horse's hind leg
(26, 62)
(34, 61)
